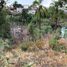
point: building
(14, 11)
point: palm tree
(40, 13)
(36, 4)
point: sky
(46, 3)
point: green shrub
(4, 24)
(53, 43)
(3, 44)
(56, 33)
(46, 29)
(56, 46)
(28, 46)
(25, 46)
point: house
(19, 10)
(14, 11)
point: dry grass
(33, 57)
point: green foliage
(28, 46)
(38, 25)
(25, 46)
(3, 44)
(25, 17)
(56, 33)
(53, 43)
(56, 14)
(46, 29)
(14, 19)
(4, 24)
(36, 21)
(56, 46)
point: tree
(56, 13)
(2, 2)
(40, 14)
(16, 5)
(4, 25)
(25, 17)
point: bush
(3, 44)
(56, 33)
(32, 46)
(26, 45)
(56, 46)
(53, 43)
(4, 25)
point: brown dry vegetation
(37, 55)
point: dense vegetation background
(30, 29)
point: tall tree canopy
(4, 25)
(2, 2)
(56, 13)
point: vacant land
(34, 57)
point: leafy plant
(26, 45)
(56, 46)
(53, 43)
(3, 44)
